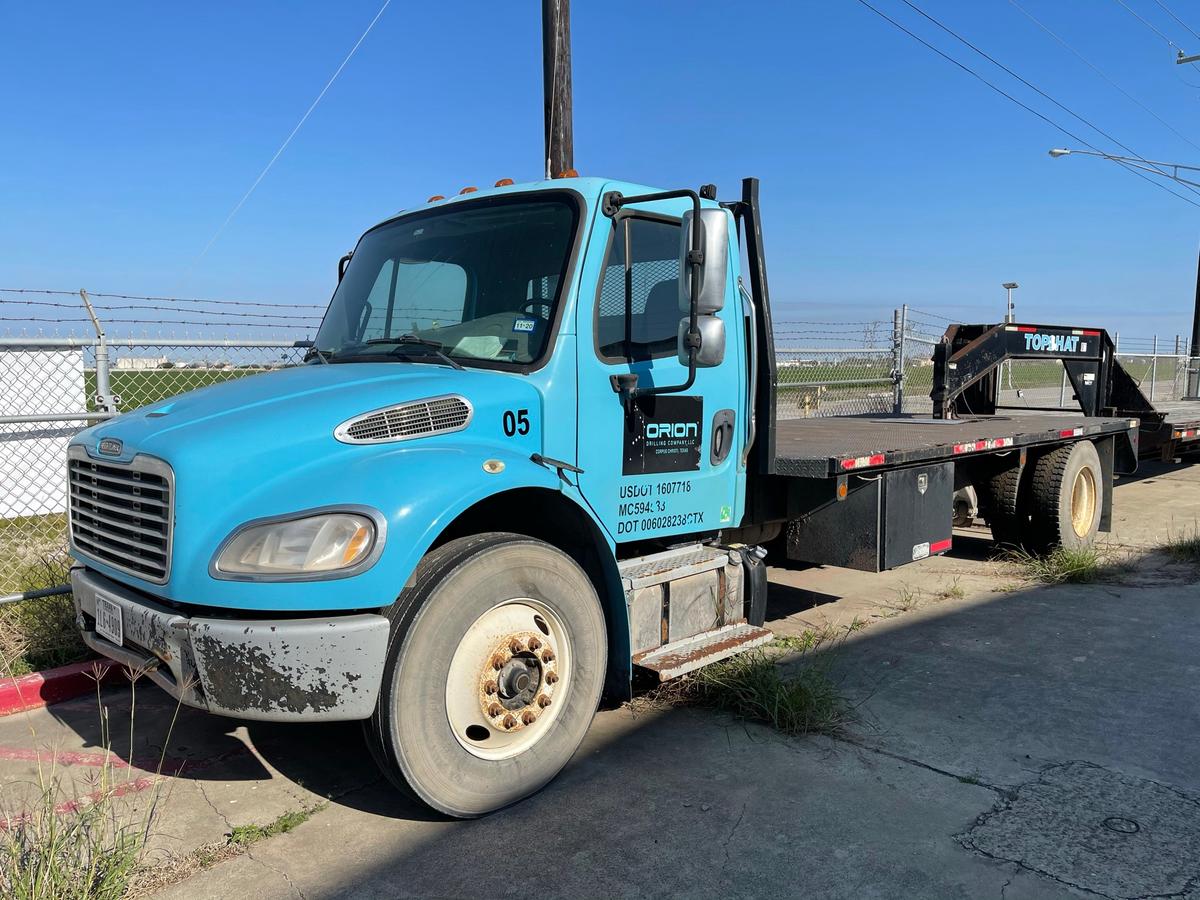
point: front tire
(494, 672)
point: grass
(787, 685)
(40, 634)
(248, 835)
(1084, 565)
(1185, 547)
(61, 847)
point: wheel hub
(517, 683)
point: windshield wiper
(406, 341)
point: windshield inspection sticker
(524, 325)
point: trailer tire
(1008, 514)
(450, 728)
(1067, 494)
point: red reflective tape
(1091, 333)
(1071, 432)
(939, 546)
(859, 462)
(1028, 329)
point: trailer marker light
(940, 546)
(861, 462)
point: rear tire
(452, 730)
(1008, 513)
(1067, 494)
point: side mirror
(711, 351)
(342, 263)
(714, 239)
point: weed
(1062, 565)
(82, 848)
(1185, 547)
(797, 697)
(247, 835)
(973, 778)
(40, 634)
(954, 592)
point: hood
(255, 415)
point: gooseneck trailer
(534, 446)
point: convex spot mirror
(714, 241)
(711, 351)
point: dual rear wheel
(1057, 504)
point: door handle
(722, 436)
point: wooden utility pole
(556, 84)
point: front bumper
(313, 669)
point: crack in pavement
(220, 815)
(286, 877)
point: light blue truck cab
(533, 446)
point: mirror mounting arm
(610, 205)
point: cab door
(665, 464)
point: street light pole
(1009, 286)
(1158, 168)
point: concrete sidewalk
(1017, 740)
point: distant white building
(140, 362)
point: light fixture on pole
(1160, 168)
(1009, 286)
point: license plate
(108, 620)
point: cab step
(683, 656)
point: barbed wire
(154, 299)
(158, 308)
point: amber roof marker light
(504, 182)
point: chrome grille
(437, 415)
(121, 513)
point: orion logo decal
(111, 447)
(657, 430)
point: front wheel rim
(508, 679)
(1083, 502)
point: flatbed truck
(534, 448)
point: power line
(1038, 90)
(1024, 106)
(1185, 25)
(304, 118)
(1170, 43)
(1102, 74)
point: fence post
(899, 326)
(104, 398)
(1175, 372)
(1153, 366)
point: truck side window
(645, 324)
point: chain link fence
(52, 388)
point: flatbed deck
(826, 447)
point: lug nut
(516, 647)
(543, 701)
(547, 655)
(495, 710)
(534, 644)
(551, 677)
(498, 662)
(509, 722)
(528, 717)
(491, 687)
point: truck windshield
(477, 281)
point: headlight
(308, 545)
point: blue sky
(889, 176)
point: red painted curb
(54, 685)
